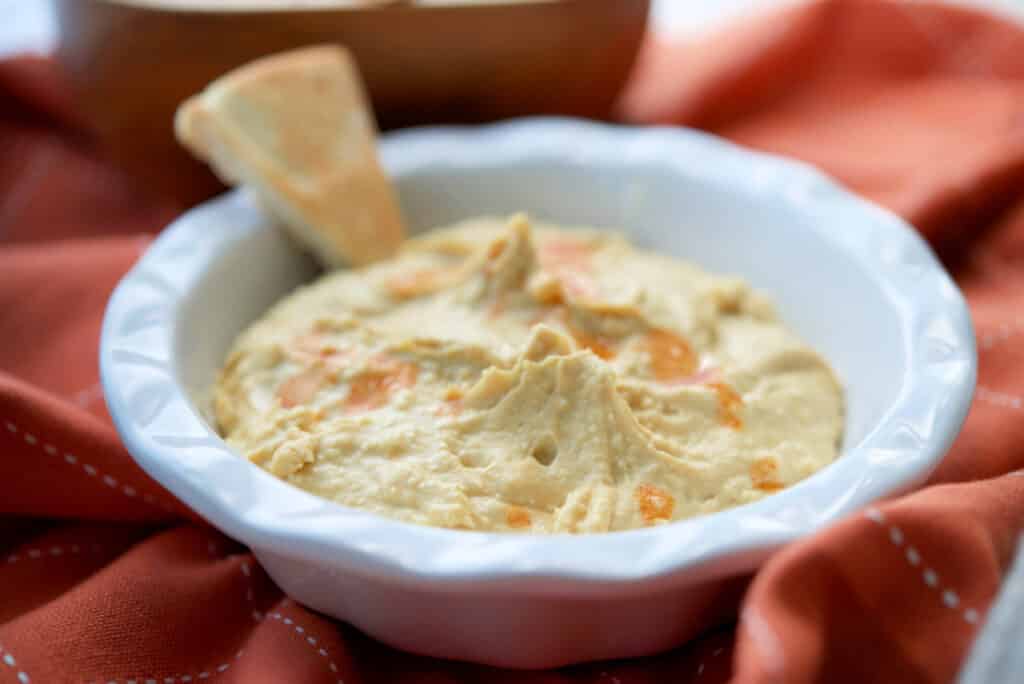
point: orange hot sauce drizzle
(564, 253)
(655, 504)
(672, 358)
(673, 361)
(602, 347)
(569, 262)
(515, 516)
(764, 473)
(729, 404)
(302, 387)
(452, 405)
(373, 388)
(311, 348)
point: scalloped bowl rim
(937, 389)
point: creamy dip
(500, 376)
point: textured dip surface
(501, 376)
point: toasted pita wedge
(296, 128)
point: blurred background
(440, 65)
(30, 24)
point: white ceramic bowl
(855, 281)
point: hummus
(500, 376)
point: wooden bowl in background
(130, 63)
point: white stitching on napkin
(7, 659)
(250, 594)
(700, 668)
(213, 548)
(999, 398)
(948, 596)
(301, 631)
(89, 469)
(52, 552)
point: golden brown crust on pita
(297, 129)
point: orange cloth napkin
(104, 577)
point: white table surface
(29, 25)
